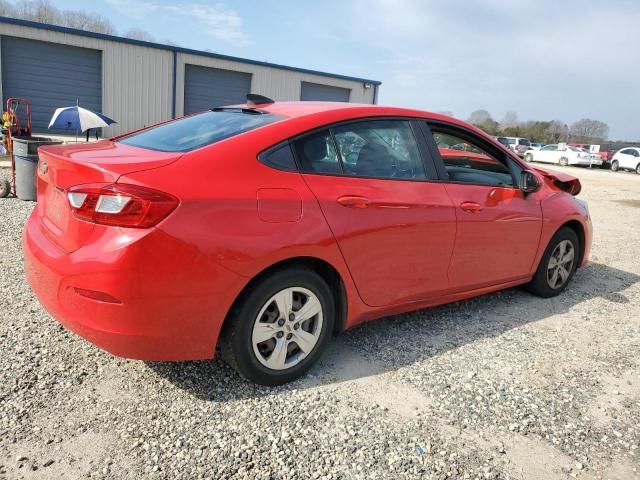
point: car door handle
(471, 207)
(354, 201)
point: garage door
(325, 93)
(205, 88)
(50, 75)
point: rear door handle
(353, 201)
(471, 207)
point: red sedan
(269, 227)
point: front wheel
(615, 166)
(564, 161)
(280, 328)
(5, 188)
(638, 169)
(558, 264)
(528, 157)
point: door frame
(431, 173)
(514, 166)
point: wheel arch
(322, 267)
(578, 228)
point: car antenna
(255, 99)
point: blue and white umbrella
(78, 118)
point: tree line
(44, 11)
(585, 130)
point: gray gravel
(502, 386)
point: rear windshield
(199, 130)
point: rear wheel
(564, 161)
(558, 264)
(280, 328)
(615, 166)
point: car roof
(308, 115)
(305, 108)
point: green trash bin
(25, 155)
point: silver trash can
(25, 155)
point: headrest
(315, 147)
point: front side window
(198, 130)
(549, 148)
(468, 162)
(379, 149)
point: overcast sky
(546, 60)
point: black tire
(236, 337)
(563, 162)
(638, 169)
(615, 166)
(539, 285)
(5, 188)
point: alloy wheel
(614, 165)
(287, 328)
(560, 264)
(564, 161)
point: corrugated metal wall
(138, 80)
(50, 75)
(206, 88)
(274, 83)
(325, 93)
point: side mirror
(529, 182)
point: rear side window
(199, 130)
(379, 149)
(317, 154)
(280, 157)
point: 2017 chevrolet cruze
(269, 227)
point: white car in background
(563, 155)
(626, 159)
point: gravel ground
(502, 386)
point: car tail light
(120, 204)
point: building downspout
(173, 90)
(375, 94)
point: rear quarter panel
(220, 190)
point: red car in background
(606, 156)
(267, 228)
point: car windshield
(525, 142)
(198, 130)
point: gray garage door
(50, 75)
(205, 88)
(325, 93)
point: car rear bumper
(586, 162)
(170, 302)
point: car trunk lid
(63, 166)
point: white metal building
(139, 83)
